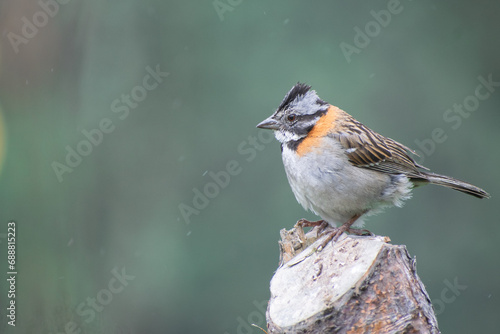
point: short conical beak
(269, 123)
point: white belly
(330, 186)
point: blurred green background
(102, 244)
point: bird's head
(297, 114)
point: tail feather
(452, 183)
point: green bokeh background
(119, 208)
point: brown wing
(368, 149)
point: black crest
(299, 89)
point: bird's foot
(306, 223)
(360, 232)
(333, 234)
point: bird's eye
(291, 117)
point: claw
(306, 223)
(321, 224)
(360, 232)
(331, 235)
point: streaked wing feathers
(368, 149)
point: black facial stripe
(317, 114)
(293, 144)
(302, 131)
(304, 123)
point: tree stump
(359, 284)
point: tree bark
(359, 284)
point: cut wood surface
(359, 284)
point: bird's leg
(335, 233)
(306, 223)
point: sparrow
(340, 169)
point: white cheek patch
(350, 150)
(286, 136)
